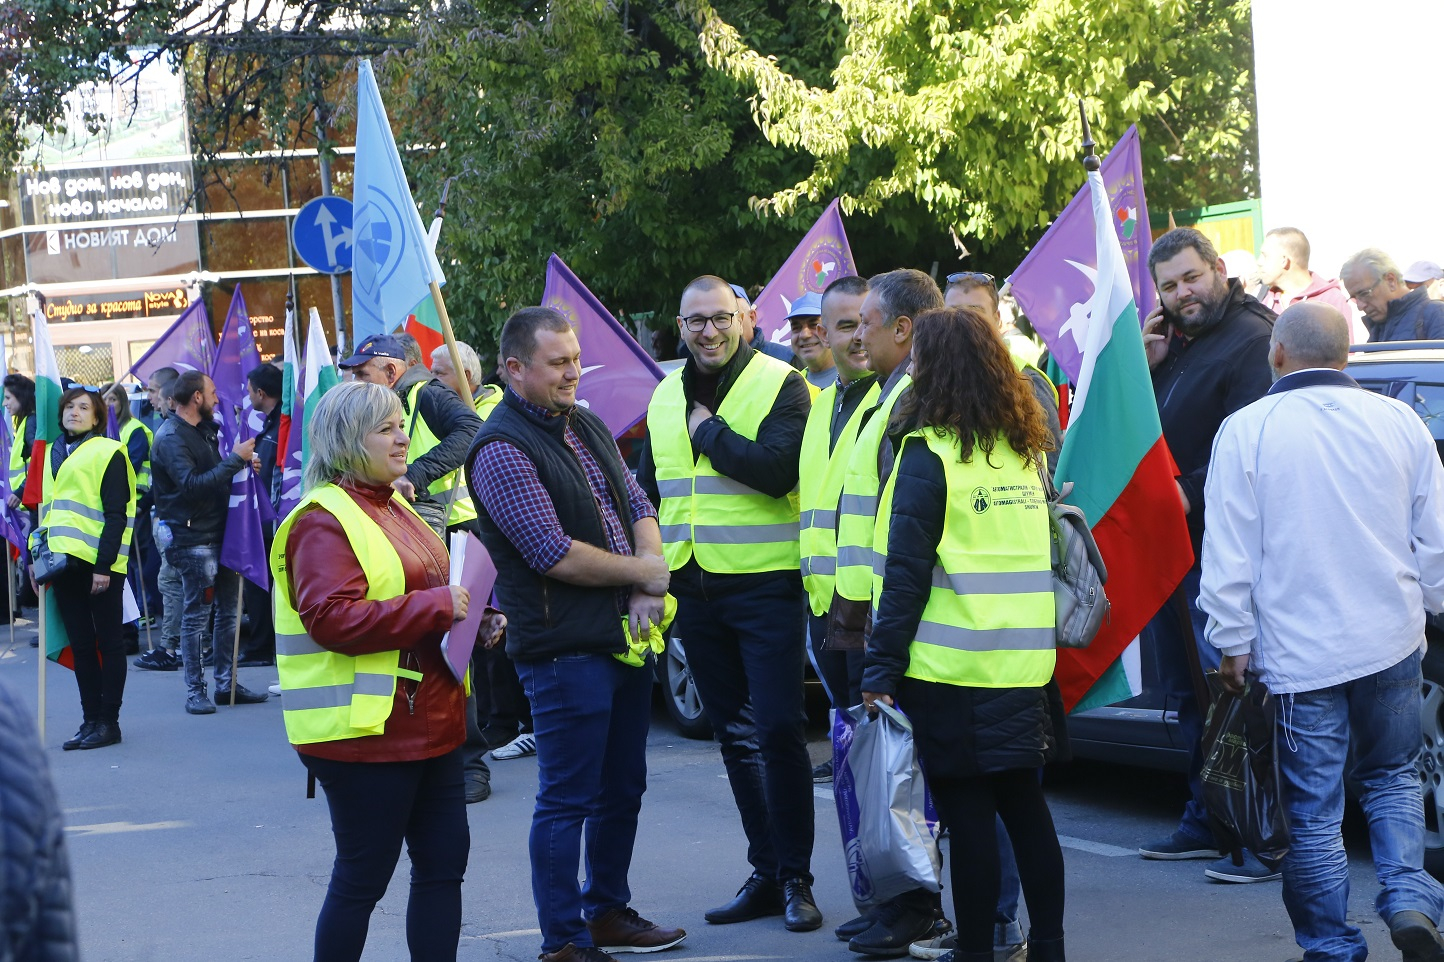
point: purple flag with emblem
(187, 345)
(236, 357)
(1055, 282)
(821, 258)
(243, 546)
(618, 377)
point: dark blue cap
(381, 345)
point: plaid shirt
(514, 497)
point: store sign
(127, 305)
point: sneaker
(1253, 869)
(519, 747)
(198, 704)
(244, 696)
(1176, 848)
(822, 774)
(623, 930)
(935, 947)
(1011, 953)
(896, 928)
(157, 659)
(853, 927)
(274, 689)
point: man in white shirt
(1323, 546)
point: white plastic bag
(894, 847)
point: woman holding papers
(963, 632)
(362, 602)
(86, 517)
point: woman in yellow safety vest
(362, 602)
(20, 405)
(87, 514)
(963, 634)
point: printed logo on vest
(982, 497)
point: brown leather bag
(849, 623)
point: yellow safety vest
(19, 455)
(422, 440)
(988, 622)
(487, 403)
(819, 486)
(142, 476)
(857, 508)
(1024, 366)
(71, 512)
(330, 696)
(729, 527)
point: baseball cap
(808, 305)
(737, 289)
(1422, 272)
(382, 345)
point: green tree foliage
(970, 108)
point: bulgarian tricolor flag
(1123, 479)
(320, 376)
(47, 430)
(424, 324)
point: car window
(1429, 405)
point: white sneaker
(519, 747)
(275, 689)
(935, 947)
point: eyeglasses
(698, 322)
(1367, 291)
(961, 276)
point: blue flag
(394, 266)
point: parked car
(1144, 730)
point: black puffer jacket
(37, 923)
(960, 731)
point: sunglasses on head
(961, 276)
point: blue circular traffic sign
(322, 234)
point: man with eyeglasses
(724, 435)
(1392, 312)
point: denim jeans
(168, 582)
(1382, 713)
(1173, 664)
(205, 585)
(591, 715)
(746, 655)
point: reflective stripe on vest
(819, 487)
(857, 507)
(988, 621)
(142, 475)
(422, 441)
(730, 527)
(330, 696)
(19, 454)
(71, 512)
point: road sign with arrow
(322, 234)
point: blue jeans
(1168, 642)
(1382, 713)
(205, 585)
(746, 655)
(168, 582)
(591, 715)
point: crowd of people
(786, 505)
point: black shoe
(1414, 934)
(198, 704)
(852, 928)
(896, 926)
(104, 733)
(71, 744)
(256, 661)
(244, 696)
(478, 788)
(822, 774)
(801, 911)
(757, 897)
(157, 659)
(34, 642)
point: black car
(1144, 730)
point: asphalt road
(193, 839)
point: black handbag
(45, 565)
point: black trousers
(375, 806)
(96, 639)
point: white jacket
(1324, 533)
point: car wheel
(679, 692)
(1431, 761)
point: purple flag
(1054, 283)
(821, 258)
(187, 345)
(13, 523)
(243, 546)
(618, 376)
(236, 357)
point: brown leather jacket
(429, 717)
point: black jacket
(452, 420)
(266, 443)
(960, 731)
(114, 498)
(37, 920)
(768, 464)
(547, 617)
(190, 481)
(1203, 381)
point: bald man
(1322, 548)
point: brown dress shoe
(623, 930)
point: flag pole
(1091, 162)
(10, 590)
(44, 657)
(236, 642)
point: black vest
(547, 617)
